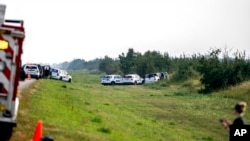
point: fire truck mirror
(2, 66)
(2, 13)
(4, 45)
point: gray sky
(62, 30)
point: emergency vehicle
(11, 40)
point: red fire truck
(11, 40)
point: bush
(222, 73)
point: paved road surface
(25, 84)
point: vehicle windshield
(128, 76)
(31, 67)
(106, 76)
(54, 70)
(152, 75)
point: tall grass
(86, 110)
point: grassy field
(84, 110)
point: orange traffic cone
(29, 77)
(38, 132)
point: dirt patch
(18, 136)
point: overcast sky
(63, 30)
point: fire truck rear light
(2, 66)
(3, 44)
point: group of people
(239, 121)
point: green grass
(86, 110)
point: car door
(62, 75)
(118, 79)
(65, 76)
(150, 78)
(138, 79)
(54, 73)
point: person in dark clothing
(22, 74)
(239, 110)
(239, 121)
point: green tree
(185, 68)
(109, 65)
(149, 62)
(76, 64)
(92, 64)
(222, 73)
(128, 63)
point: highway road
(25, 84)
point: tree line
(216, 69)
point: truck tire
(6, 130)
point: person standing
(239, 110)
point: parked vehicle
(152, 78)
(56, 74)
(113, 79)
(40, 70)
(132, 79)
(60, 74)
(164, 75)
(12, 35)
(32, 70)
(66, 76)
(47, 70)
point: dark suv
(46, 71)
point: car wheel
(69, 80)
(135, 83)
(112, 83)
